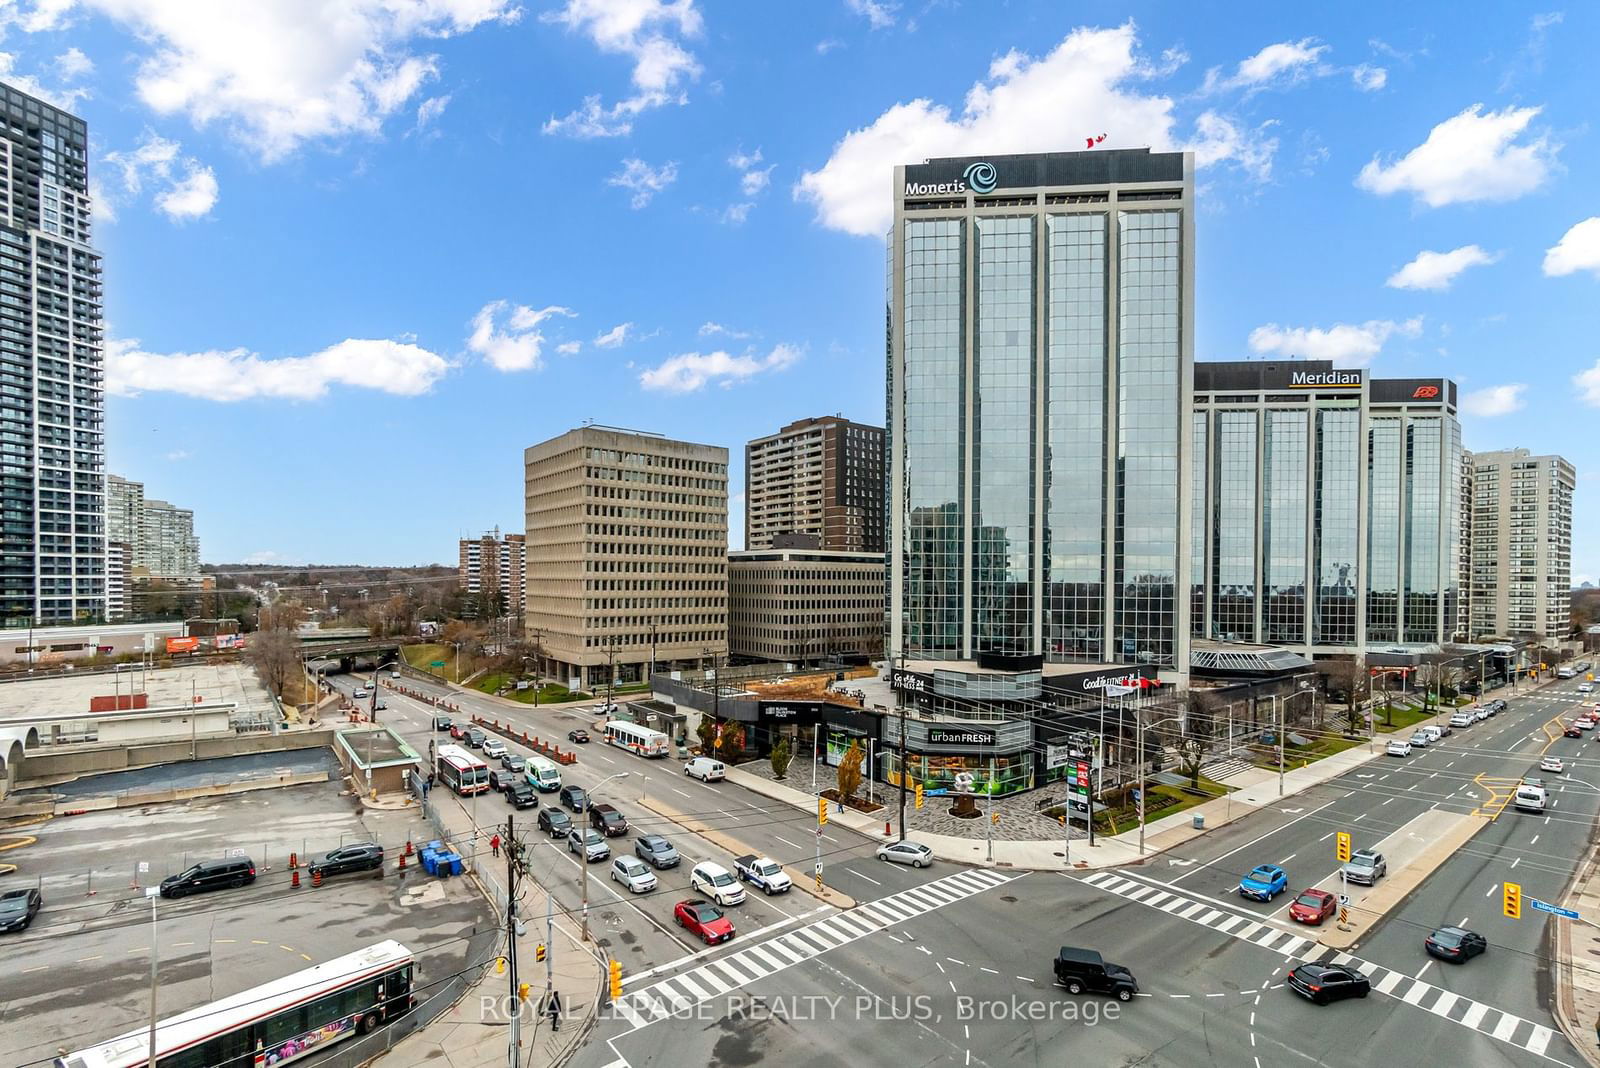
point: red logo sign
(1425, 393)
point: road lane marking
(680, 793)
(868, 878)
(1514, 863)
(786, 841)
(1201, 867)
(1535, 841)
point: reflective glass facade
(1075, 437)
(1002, 439)
(1424, 502)
(934, 437)
(1336, 525)
(1199, 524)
(1284, 532)
(1384, 480)
(1233, 535)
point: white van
(705, 769)
(543, 775)
(1530, 798)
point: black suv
(476, 737)
(1084, 969)
(574, 798)
(364, 856)
(18, 908)
(520, 795)
(554, 822)
(1323, 983)
(607, 820)
(210, 875)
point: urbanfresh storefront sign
(978, 736)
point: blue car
(1264, 883)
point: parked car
(913, 853)
(573, 797)
(1323, 983)
(763, 872)
(554, 821)
(18, 908)
(632, 873)
(476, 737)
(363, 856)
(588, 841)
(578, 736)
(607, 820)
(519, 794)
(513, 762)
(1420, 740)
(1455, 944)
(1313, 906)
(1084, 970)
(494, 747)
(706, 769)
(1366, 866)
(441, 723)
(1463, 719)
(1479, 715)
(704, 919)
(1399, 748)
(656, 851)
(716, 882)
(210, 875)
(1265, 882)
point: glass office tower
(52, 445)
(1040, 317)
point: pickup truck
(1265, 882)
(763, 872)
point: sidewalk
(1577, 958)
(1253, 789)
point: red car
(456, 731)
(704, 919)
(1573, 731)
(1313, 906)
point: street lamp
(535, 681)
(1305, 690)
(457, 647)
(1138, 721)
(583, 856)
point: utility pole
(901, 702)
(611, 675)
(152, 893)
(515, 1001)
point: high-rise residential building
(1464, 496)
(1041, 325)
(160, 536)
(805, 606)
(819, 478)
(52, 443)
(1521, 545)
(493, 572)
(627, 554)
(119, 576)
(1309, 531)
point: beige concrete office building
(820, 478)
(803, 606)
(1521, 544)
(627, 554)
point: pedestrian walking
(494, 845)
(555, 1010)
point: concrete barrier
(80, 806)
(51, 767)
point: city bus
(543, 775)
(637, 739)
(461, 771)
(275, 1023)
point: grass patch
(549, 694)
(1404, 718)
(422, 657)
(1161, 801)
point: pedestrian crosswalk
(739, 969)
(1504, 1026)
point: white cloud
(239, 374)
(184, 187)
(519, 344)
(709, 329)
(754, 181)
(192, 196)
(178, 454)
(828, 45)
(690, 371)
(1589, 383)
(1494, 400)
(878, 13)
(1344, 343)
(1578, 250)
(1369, 79)
(277, 73)
(61, 96)
(614, 337)
(569, 348)
(736, 214)
(73, 64)
(643, 180)
(643, 31)
(1471, 156)
(1436, 270)
(1284, 63)
(429, 110)
(1024, 105)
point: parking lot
(81, 972)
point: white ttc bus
(637, 739)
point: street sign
(1344, 899)
(819, 868)
(1554, 910)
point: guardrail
(543, 748)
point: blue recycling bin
(455, 863)
(435, 845)
(429, 860)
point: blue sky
(359, 255)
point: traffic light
(616, 979)
(1342, 848)
(522, 991)
(1511, 903)
(919, 795)
(538, 953)
(822, 812)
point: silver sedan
(913, 853)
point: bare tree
(1193, 738)
(275, 654)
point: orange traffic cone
(294, 879)
(316, 878)
(294, 861)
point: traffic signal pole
(514, 1053)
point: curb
(1559, 937)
